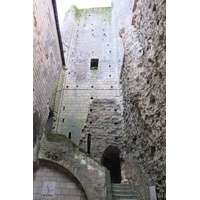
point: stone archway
(62, 183)
(111, 160)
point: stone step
(124, 195)
(118, 185)
(124, 198)
(122, 188)
(118, 190)
(122, 192)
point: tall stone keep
(90, 43)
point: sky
(64, 5)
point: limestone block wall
(144, 87)
(67, 187)
(94, 38)
(123, 12)
(47, 63)
(68, 33)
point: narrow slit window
(94, 64)
(70, 135)
(88, 143)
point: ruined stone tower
(99, 101)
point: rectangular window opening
(94, 64)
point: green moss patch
(77, 12)
(104, 11)
(56, 138)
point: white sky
(64, 5)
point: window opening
(94, 64)
(70, 135)
(88, 143)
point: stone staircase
(93, 176)
(123, 192)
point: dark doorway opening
(111, 161)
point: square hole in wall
(94, 64)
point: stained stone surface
(144, 86)
(48, 188)
(90, 173)
(89, 100)
(47, 63)
(104, 123)
(87, 34)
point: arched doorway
(111, 161)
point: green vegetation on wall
(57, 94)
(94, 73)
(104, 11)
(77, 12)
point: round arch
(68, 168)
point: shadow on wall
(37, 121)
(49, 123)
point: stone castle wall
(68, 33)
(47, 63)
(93, 36)
(143, 78)
(89, 100)
(104, 123)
